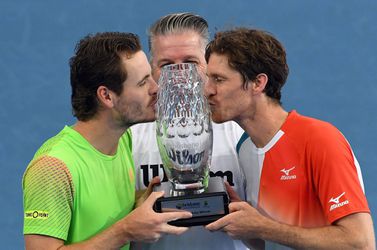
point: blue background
(331, 48)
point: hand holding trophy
(184, 137)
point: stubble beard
(133, 115)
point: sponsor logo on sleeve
(36, 214)
(336, 203)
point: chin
(152, 119)
(217, 119)
(144, 120)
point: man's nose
(154, 87)
(209, 88)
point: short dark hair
(251, 52)
(177, 23)
(97, 62)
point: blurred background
(331, 48)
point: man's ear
(259, 84)
(105, 96)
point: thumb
(235, 206)
(152, 198)
(232, 193)
(156, 180)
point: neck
(263, 124)
(103, 135)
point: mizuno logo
(286, 172)
(337, 203)
(336, 199)
(286, 175)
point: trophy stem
(180, 189)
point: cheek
(138, 100)
(133, 99)
(230, 96)
(234, 101)
(132, 107)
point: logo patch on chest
(287, 174)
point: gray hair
(177, 23)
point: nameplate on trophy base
(206, 207)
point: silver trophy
(184, 137)
(184, 130)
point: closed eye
(164, 64)
(192, 61)
(143, 81)
(218, 79)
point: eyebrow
(215, 75)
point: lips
(211, 105)
(153, 102)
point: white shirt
(224, 163)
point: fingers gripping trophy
(185, 138)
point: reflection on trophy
(184, 137)
(184, 132)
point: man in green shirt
(79, 189)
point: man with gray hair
(182, 38)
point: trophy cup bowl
(185, 138)
(184, 131)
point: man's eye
(142, 83)
(218, 79)
(164, 64)
(192, 61)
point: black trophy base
(205, 207)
